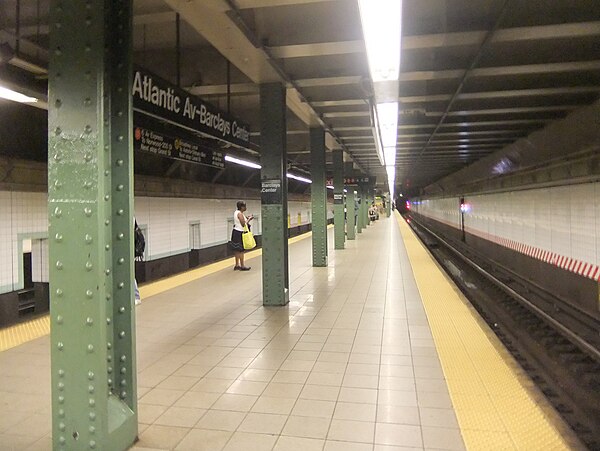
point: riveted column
(94, 399)
(388, 205)
(273, 159)
(351, 213)
(338, 199)
(318, 195)
(359, 217)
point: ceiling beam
(318, 49)
(245, 4)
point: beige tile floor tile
(280, 390)
(449, 439)
(398, 435)
(178, 383)
(197, 400)
(314, 408)
(398, 415)
(351, 431)
(354, 411)
(334, 445)
(192, 371)
(443, 418)
(221, 420)
(395, 448)
(246, 441)
(331, 379)
(240, 387)
(212, 385)
(162, 397)
(148, 413)
(360, 381)
(361, 395)
(266, 404)
(180, 417)
(435, 400)
(204, 440)
(263, 423)
(320, 392)
(257, 375)
(312, 427)
(17, 442)
(162, 436)
(221, 372)
(298, 444)
(291, 377)
(240, 403)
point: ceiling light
(387, 114)
(381, 23)
(242, 162)
(300, 179)
(15, 96)
(389, 154)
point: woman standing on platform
(239, 222)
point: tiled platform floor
(350, 364)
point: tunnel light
(300, 179)
(242, 162)
(381, 23)
(15, 96)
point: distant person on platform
(239, 222)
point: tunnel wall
(550, 236)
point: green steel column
(273, 159)
(338, 199)
(388, 205)
(350, 223)
(359, 221)
(318, 195)
(364, 208)
(90, 198)
(361, 204)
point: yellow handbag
(248, 239)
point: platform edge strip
(493, 405)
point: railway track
(555, 343)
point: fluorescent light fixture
(387, 114)
(15, 96)
(300, 179)
(329, 187)
(242, 162)
(391, 173)
(390, 156)
(381, 23)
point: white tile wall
(564, 220)
(583, 222)
(39, 260)
(21, 214)
(166, 222)
(561, 221)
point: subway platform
(378, 351)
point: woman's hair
(240, 204)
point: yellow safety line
(27, 331)
(24, 332)
(494, 407)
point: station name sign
(154, 96)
